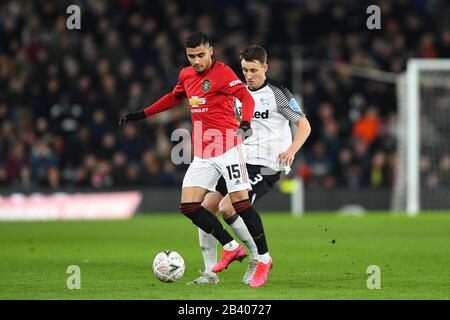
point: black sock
(206, 221)
(231, 219)
(253, 222)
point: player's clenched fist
(134, 116)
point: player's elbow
(305, 126)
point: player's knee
(189, 207)
(210, 206)
(211, 202)
(226, 210)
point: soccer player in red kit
(210, 86)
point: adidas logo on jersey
(261, 115)
(237, 182)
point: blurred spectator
(4, 181)
(132, 143)
(444, 169)
(108, 146)
(320, 163)
(151, 168)
(119, 170)
(101, 176)
(368, 127)
(132, 175)
(15, 160)
(330, 135)
(378, 171)
(44, 164)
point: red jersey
(211, 100)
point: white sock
(241, 231)
(264, 258)
(232, 245)
(208, 244)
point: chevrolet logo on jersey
(196, 101)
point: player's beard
(202, 69)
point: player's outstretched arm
(168, 101)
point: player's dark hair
(254, 52)
(196, 38)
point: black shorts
(262, 180)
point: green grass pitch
(115, 258)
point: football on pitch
(168, 266)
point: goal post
(422, 179)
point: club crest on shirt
(294, 105)
(265, 102)
(206, 85)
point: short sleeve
(286, 103)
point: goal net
(422, 178)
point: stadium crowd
(62, 91)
